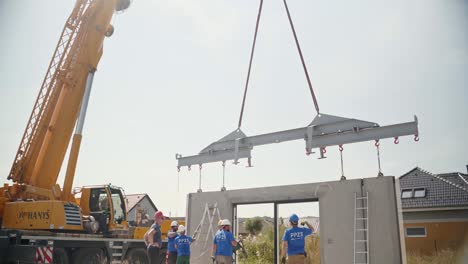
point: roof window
(419, 192)
(406, 193)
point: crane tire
(137, 256)
(89, 255)
(60, 256)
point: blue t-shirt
(171, 243)
(223, 241)
(295, 237)
(183, 245)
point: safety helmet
(158, 214)
(174, 223)
(225, 222)
(294, 218)
(181, 229)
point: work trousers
(223, 259)
(171, 257)
(154, 255)
(296, 259)
(183, 260)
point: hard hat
(181, 229)
(225, 222)
(158, 214)
(220, 222)
(294, 218)
(174, 223)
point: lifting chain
(224, 174)
(377, 146)
(199, 180)
(342, 167)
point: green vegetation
(254, 225)
(260, 249)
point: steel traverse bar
(328, 131)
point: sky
(172, 76)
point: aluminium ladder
(361, 229)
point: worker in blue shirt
(223, 244)
(182, 244)
(171, 254)
(294, 241)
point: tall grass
(446, 256)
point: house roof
(443, 190)
(133, 199)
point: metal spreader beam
(325, 130)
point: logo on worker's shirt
(184, 240)
(221, 236)
(296, 235)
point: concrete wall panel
(336, 205)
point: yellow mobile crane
(41, 222)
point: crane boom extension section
(325, 130)
(35, 200)
(45, 141)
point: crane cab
(103, 209)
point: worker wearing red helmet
(154, 239)
(294, 241)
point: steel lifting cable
(314, 98)
(302, 58)
(250, 63)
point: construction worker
(223, 244)
(294, 241)
(153, 239)
(182, 244)
(171, 254)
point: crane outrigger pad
(325, 130)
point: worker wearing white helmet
(223, 244)
(171, 254)
(182, 244)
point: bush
(260, 248)
(254, 225)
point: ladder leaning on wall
(361, 229)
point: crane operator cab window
(118, 205)
(99, 207)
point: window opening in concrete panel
(419, 192)
(255, 228)
(416, 231)
(307, 212)
(406, 193)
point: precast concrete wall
(337, 217)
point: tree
(254, 225)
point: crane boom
(48, 132)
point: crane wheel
(89, 255)
(60, 256)
(137, 256)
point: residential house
(435, 210)
(140, 209)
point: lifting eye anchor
(416, 137)
(396, 141)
